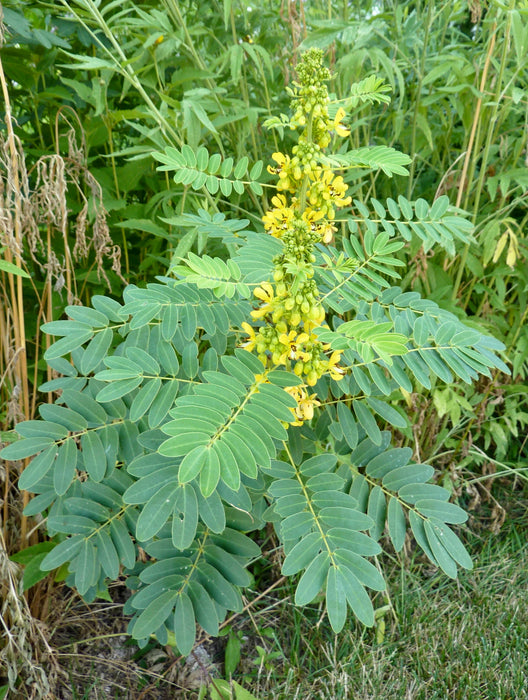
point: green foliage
(200, 169)
(390, 161)
(182, 445)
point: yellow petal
(340, 128)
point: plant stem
(428, 22)
(469, 152)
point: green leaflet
(183, 444)
(140, 491)
(87, 508)
(117, 389)
(302, 554)
(229, 472)
(65, 328)
(387, 412)
(163, 582)
(245, 458)
(210, 472)
(327, 499)
(336, 602)
(192, 464)
(237, 543)
(359, 491)
(228, 565)
(85, 314)
(296, 525)
(441, 555)
(37, 468)
(96, 351)
(320, 464)
(367, 573)
(154, 615)
(63, 552)
(224, 593)
(86, 567)
(313, 579)
(367, 421)
(162, 403)
(348, 425)
(388, 461)
(85, 406)
(445, 512)
(67, 344)
(355, 541)
(409, 474)
(143, 399)
(418, 530)
(357, 597)
(184, 624)
(411, 493)
(26, 448)
(156, 512)
(185, 517)
(268, 420)
(283, 379)
(396, 524)
(204, 608)
(338, 516)
(94, 455)
(65, 466)
(377, 510)
(122, 542)
(107, 554)
(248, 431)
(38, 428)
(72, 524)
(211, 511)
(156, 572)
(325, 482)
(451, 543)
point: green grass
(460, 640)
(443, 640)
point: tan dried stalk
(23, 647)
(13, 326)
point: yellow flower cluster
(308, 193)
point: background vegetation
(90, 90)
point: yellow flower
(305, 404)
(317, 315)
(266, 294)
(278, 220)
(339, 127)
(336, 372)
(327, 232)
(292, 347)
(284, 171)
(312, 215)
(250, 343)
(283, 161)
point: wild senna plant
(190, 416)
